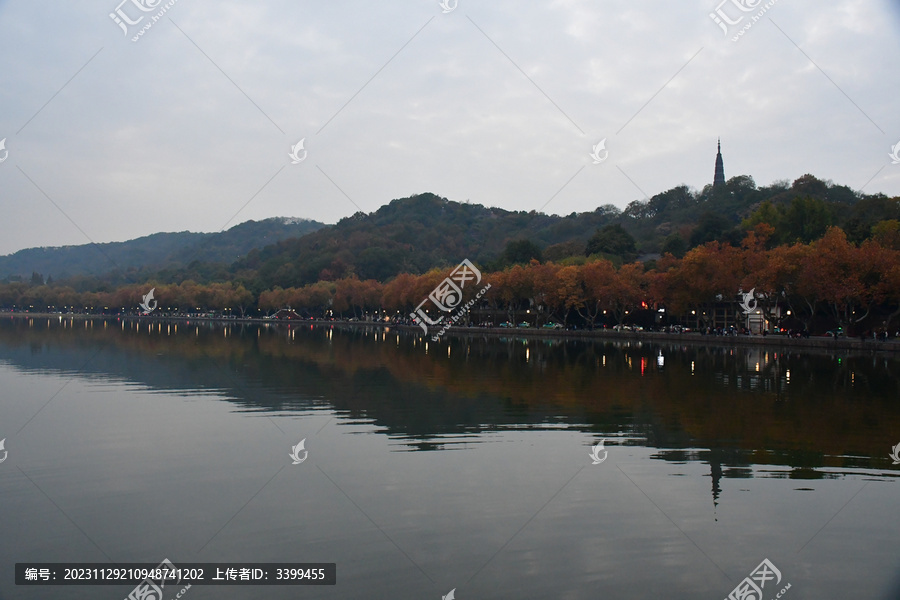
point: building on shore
(286, 314)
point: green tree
(809, 185)
(520, 252)
(712, 227)
(868, 212)
(887, 233)
(675, 245)
(558, 252)
(767, 213)
(612, 239)
(805, 220)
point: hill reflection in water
(737, 409)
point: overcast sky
(499, 103)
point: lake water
(463, 464)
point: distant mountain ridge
(156, 251)
(427, 231)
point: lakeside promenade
(694, 338)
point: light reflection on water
(467, 466)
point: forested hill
(154, 252)
(415, 234)
(422, 232)
(412, 235)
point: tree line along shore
(828, 285)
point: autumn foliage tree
(832, 280)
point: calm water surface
(461, 464)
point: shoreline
(773, 340)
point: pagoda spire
(719, 178)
